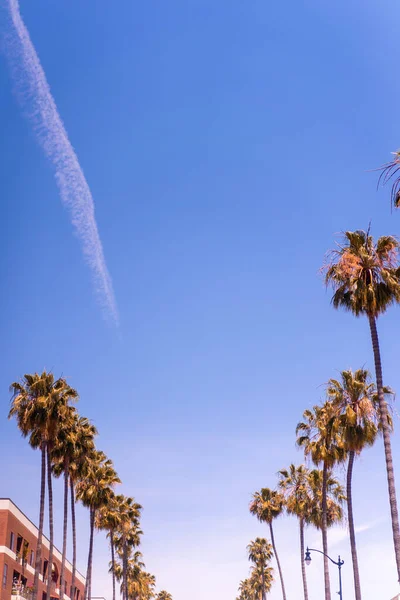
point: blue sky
(225, 143)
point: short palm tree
(294, 483)
(261, 579)
(267, 505)
(335, 497)
(319, 436)
(247, 591)
(365, 277)
(141, 585)
(163, 595)
(260, 552)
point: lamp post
(339, 563)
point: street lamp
(339, 563)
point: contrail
(37, 100)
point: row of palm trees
(365, 278)
(45, 413)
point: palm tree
(355, 400)
(295, 485)
(141, 585)
(260, 553)
(163, 595)
(83, 453)
(108, 519)
(388, 171)
(128, 534)
(39, 403)
(365, 277)
(321, 440)
(335, 497)
(94, 491)
(247, 591)
(261, 578)
(267, 505)
(62, 453)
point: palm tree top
(294, 483)
(163, 595)
(260, 551)
(390, 171)
(319, 435)
(267, 504)
(364, 275)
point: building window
(31, 558)
(19, 544)
(5, 571)
(12, 541)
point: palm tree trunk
(263, 584)
(125, 568)
(64, 548)
(386, 441)
(357, 585)
(51, 524)
(38, 560)
(113, 561)
(88, 587)
(303, 565)
(325, 534)
(73, 521)
(277, 561)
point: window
(45, 564)
(12, 541)
(5, 571)
(19, 543)
(31, 558)
(77, 594)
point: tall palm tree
(94, 491)
(163, 595)
(61, 454)
(267, 505)
(260, 552)
(128, 534)
(365, 277)
(354, 397)
(108, 519)
(78, 465)
(294, 482)
(39, 403)
(320, 439)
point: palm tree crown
(365, 275)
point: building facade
(18, 540)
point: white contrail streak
(36, 98)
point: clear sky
(225, 143)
